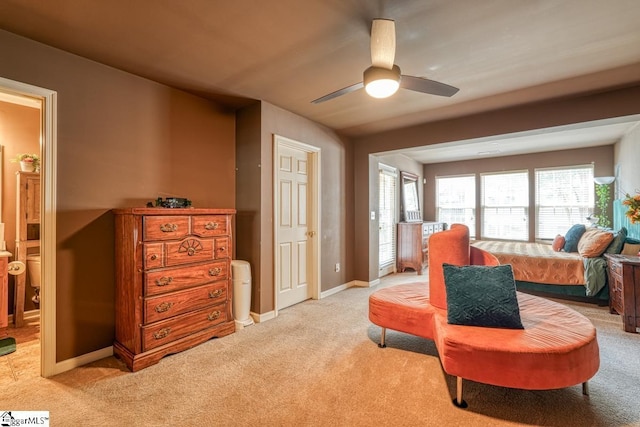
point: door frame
(313, 214)
(48, 174)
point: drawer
(615, 268)
(165, 227)
(188, 251)
(209, 225)
(166, 331)
(174, 303)
(222, 248)
(153, 255)
(173, 279)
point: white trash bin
(241, 277)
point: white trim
(363, 284)
(314, 214)
(337, 289)
(259, 318)
(76, 362)
(48, 141)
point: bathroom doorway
(37, 108)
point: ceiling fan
(383, 78)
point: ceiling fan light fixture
(381, 82)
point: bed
(538, 268)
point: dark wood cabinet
(413, 244)
(624, 289)
(173, 282)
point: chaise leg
(458, 401)
(585, 388)
(382, 338)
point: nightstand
(624, 289)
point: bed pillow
(558, 243)
(618, 242)
(480, 295)
(573, 237)
(594, 242)
(631, 249)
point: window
(387, 218)
(456, 201)
(564, 196)
(505, 205)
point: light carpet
(317, 364)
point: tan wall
(627, 161)
(600, 157)
(336, 195)
(19, 133)
(122, 141)
(559, 112)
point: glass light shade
(604, 180)
(381, 82)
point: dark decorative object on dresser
(624, 289)
(173, 285)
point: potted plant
(28, 162)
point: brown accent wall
(600, 157)
(19, 133)
(122, 141)
(616, 102)
(255, 197)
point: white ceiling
(500, 53)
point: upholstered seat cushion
(557, 348)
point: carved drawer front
(173, 279)
(188, 251)
(165, 227)
(169, 330)
(222, 248)
(615, 269)
(168, 305)
(209, 225)
(153, 255)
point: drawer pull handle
(190, 246)
(153, 257)
(222, 249)
(211, 225)
(213, 316)
(162, 333)
(215, 271)
(164, 281)
(215, 294)
(165, 306)
(168, 228)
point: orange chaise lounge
(556, 346)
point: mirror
(410, 203)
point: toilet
(33, 267)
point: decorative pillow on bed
(618, 241)
(594, 242)
(631, 249)
(573, 237)
(480, 295)
(558, 243)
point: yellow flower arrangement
(633, 213)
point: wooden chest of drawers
(624, 289)
(413, 244)
(173, 284)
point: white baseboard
(258, 318)
(337, 289)
(76, 362)
(363, 284)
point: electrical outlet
(337, 267)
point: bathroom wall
(19, 133)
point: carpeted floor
(317, 364)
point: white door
(294, 221)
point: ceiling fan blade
(383, 43)
(338, 93)
(432, 87)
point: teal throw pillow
(573, 236)
(480, 295)
(615, 247)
